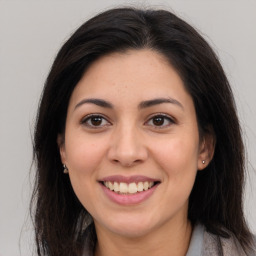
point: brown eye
(160, 121)
(95, 121)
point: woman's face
(131, 143)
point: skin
(126, 141)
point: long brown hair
(216, 198)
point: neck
(171, 240)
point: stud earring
(203, 161)
(65, 169)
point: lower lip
(128, 199)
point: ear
(206, 150)
(61, 145)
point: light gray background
(31, 32)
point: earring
(203, 161)
(65, 169)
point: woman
(138, 145)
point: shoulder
(216, 245)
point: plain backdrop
(31, 32)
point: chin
(130, 231)
(130, 227)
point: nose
(128, 147)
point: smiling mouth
(129, 188)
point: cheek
(178, 160)
(179, 164)
(83, 155)
(179, 155)
(84, 159)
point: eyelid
(166, 116)
(87, 117)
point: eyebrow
(153, 102)
(98, 102)
(143, 104)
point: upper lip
(128, 179)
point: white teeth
(110, 186)
(145, 185)
(123, 188)
(116, 187)
(140, 186)
(130, 188)
(133, 188)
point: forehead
(133, 75)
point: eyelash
(85, 121)
(162, 116)
(89, 119)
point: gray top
(202, 243)
(196, 243)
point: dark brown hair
(216, 198)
